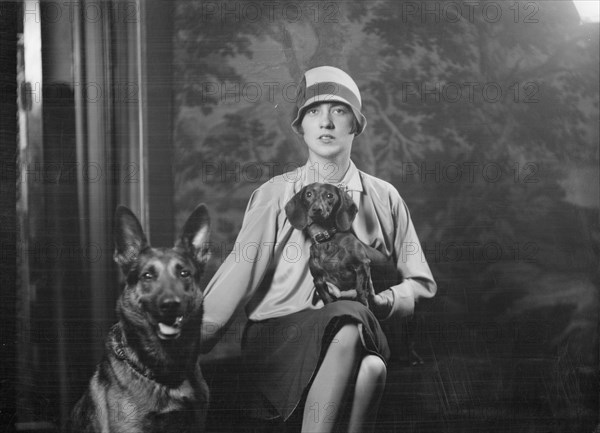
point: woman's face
(328, 130)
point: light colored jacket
(267, 271)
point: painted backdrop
(485, 117)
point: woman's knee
(373, 369)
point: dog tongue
(168, 330)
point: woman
(302, 354)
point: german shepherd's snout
(150, 366)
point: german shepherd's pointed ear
(346, 212)
(129, 238)
(296, 211)
(196, 234)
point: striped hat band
(327, 91)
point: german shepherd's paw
(150, 379)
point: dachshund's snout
(319, 210)
(316, 210)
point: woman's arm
(417, 280)
(244, 268)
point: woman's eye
(184, 273)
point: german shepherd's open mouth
(170, 332)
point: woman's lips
(326, 137)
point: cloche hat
(327, 84)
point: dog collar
(324, 236)
(120, 352)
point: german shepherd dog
(149, 379)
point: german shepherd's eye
(147, 276)
(184, 273)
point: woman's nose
(325, 119)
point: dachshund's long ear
(296, 211)
(346, 211)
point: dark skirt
(281, 355)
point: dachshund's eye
(184, 273)
(329, 195)
(308, 194)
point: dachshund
(337, 256)
(325, 213)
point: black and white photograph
(266, 216)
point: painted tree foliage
(484, 115)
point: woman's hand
(381, 304)
(335, 292)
